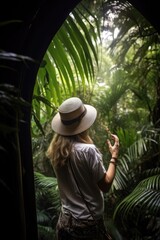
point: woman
(81, 175)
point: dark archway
(32, 28)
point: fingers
(116, 139)
(113, 147)
(109, 143)
(113, 137)
(113, 143)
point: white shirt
(89, 169)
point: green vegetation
(108, 55)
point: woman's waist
(81, 222)
(79, 210)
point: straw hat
(73, 117)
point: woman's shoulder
(89, 151)
(84, 147)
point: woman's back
(86, 162)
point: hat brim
(75, 128)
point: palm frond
(47, 194)
(69, 63)
(144, 199)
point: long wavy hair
(60, 147)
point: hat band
(69, 122)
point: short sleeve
(95, 162)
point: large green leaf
(69, 63)
(144, 199)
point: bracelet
(113, 162)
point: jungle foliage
(107, 54)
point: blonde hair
(59, 150)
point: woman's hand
(106, 182)
(113, 148)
